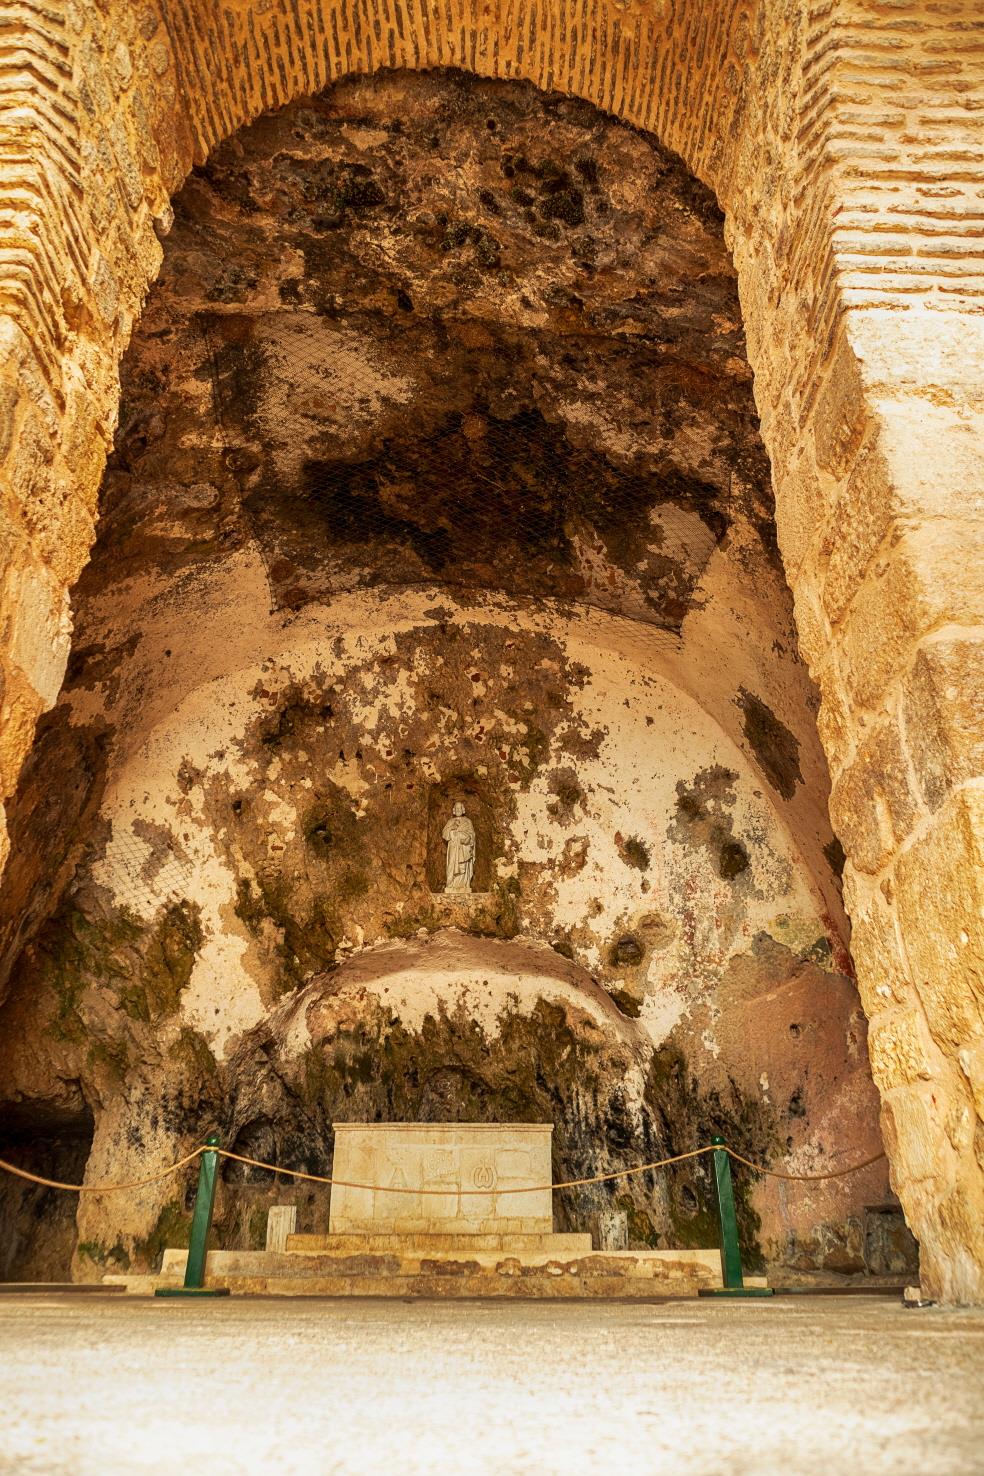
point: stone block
(872, 806)
(939, 883)
(802, 511)
(943, 708)
(42, 631)
(105, 289)
(20, 711)
(934, 574)
(127, 169)
(834, 721)
(961, 1214)
(31, 459)
(934, 454)
(900, 1049)
(915, 350)
(840, 414)
(9, 400)
(862, 520)
(811, 624)
(915, 1139)
(281, 1222)
(877, 948)
(970, 1059)
(456, 1159)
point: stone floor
(119, 1385)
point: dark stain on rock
(145, 966)
(732, 860)
(687, 1114)
(633, 851)
(628, 1004)
(704, 818)
(153, 991)
(774, 745)
(49, 825)
(627, 950)
(567, 794)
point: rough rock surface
(438, 476)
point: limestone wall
(839, 141)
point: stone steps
(558, 1244)
(480, 1287)
(488, 1273)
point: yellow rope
(273, 1168)
(523, 1189)
(102, 1188)
(855, 1168)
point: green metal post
(201, 1220)
(731, 1272)
(201, 1224)
(730, 1250)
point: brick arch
(669, 69)
(837, 135)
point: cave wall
(438, 475)
(274, 827)
(331, 374)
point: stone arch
(859, 276)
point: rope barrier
(628, 1173)
(855, 1168)
(522, 1189)
(12, 1168)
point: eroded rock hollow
(438, 480)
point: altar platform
(451, 1210)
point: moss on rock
(172, 1229)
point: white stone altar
(450, 1158)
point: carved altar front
(442, 1178)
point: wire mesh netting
(394, 464)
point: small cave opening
(37, 1224)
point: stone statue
(459, 834)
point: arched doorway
(859, 274)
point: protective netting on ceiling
(465, 334)
(475, 467)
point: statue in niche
(459, 836)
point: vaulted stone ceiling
(426, 329)
(453, 331)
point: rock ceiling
(447, 331)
